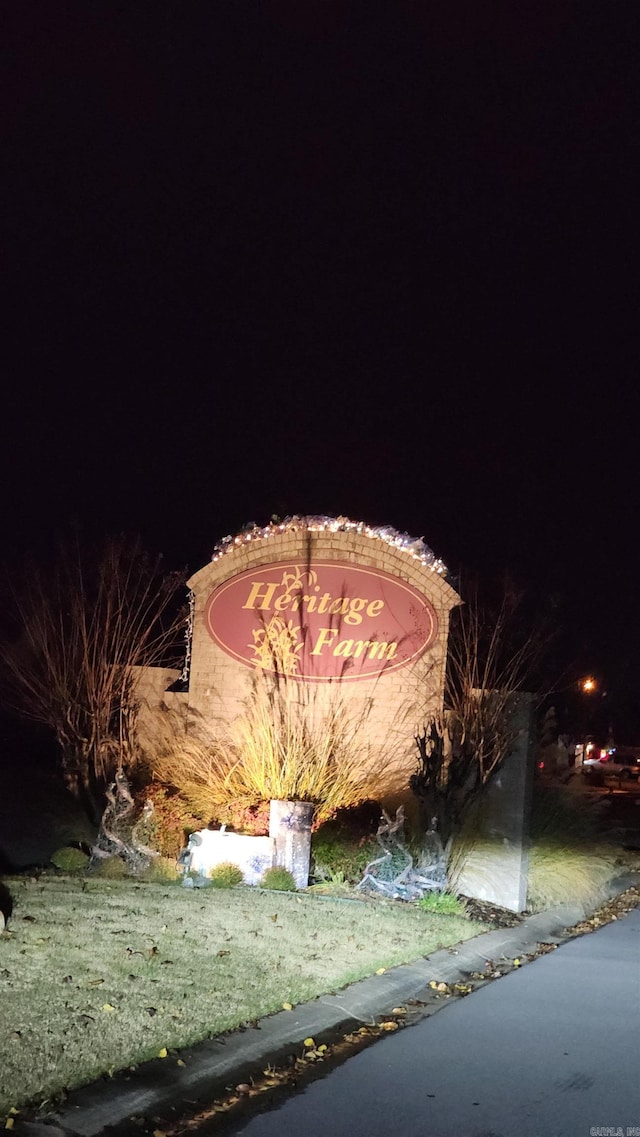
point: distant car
(615, 762)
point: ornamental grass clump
(293, 742)
(569, 861)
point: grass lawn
(98, 975)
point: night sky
(377, 260)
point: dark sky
(367, 259)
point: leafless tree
(77, 630)
(491, 657)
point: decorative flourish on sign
(296, 577)
(275, 647)
(413, 546)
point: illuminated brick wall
(394, 701)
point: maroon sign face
(330, 621)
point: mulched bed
(614, 909)
(487, 913)
(502, 918)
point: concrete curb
(156, 1087)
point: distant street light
(586, 686)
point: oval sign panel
(323, 622)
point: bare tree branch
(491, 657)
(78, 630)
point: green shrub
(69, 860)
(226, 875)
(443, 903)
(162, 870)
(111, 868)
(346, 844)
(278, 879)
(167, 828)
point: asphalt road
(551, 1050)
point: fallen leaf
(399, 1011)
(381, 971)
(308, 1042)
(9, 1123)
(243, 1088)
(517, 963)
(224, 953)
(274, 918)
(322, 1048)
(108, 1008)
(388, 1026)
(162, 1053)
(95, 982)
(287, 1007)
(180, 1062)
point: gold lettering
(344, 648)
(326, 637)
(360, 647)
(263, 596)
(381, 648)
(355, 608)
(255, 595)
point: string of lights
(413, 546)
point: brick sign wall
(347, 609)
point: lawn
(99, 975)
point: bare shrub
(78, 627)
(492, 657)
